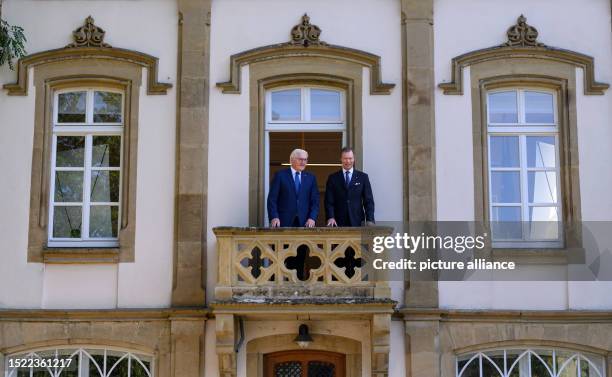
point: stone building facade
(156, 126)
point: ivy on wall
(12, 42)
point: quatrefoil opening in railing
(349, 262)
(256, 262)
(303, 263)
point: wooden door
(304, 363)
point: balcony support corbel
(226, 339)
(381, 325)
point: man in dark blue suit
(348, 195)
(293, 199)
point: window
(85, 204)
(530, 363)
(320, 107)
(310, 118)
(82, 362)
(523, 168)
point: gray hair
(295, 152)
(346, 150)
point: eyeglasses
(302, 159)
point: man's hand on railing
(275, 222)
(332, 222)
(310, 223)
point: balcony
(295, 265)
(309, 274)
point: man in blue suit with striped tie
(293, 200)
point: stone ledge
(74, 255)
(305, 301)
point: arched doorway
(259, 350)
(304, 363)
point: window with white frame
(307, 117)
(523, 167)
(79, 362)
(530, 363)
(85, 204)
(322, 108)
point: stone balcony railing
(286, 264)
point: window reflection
(286, 105)
(324, 104)
(503, 107)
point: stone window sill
(80, 255)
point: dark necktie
(297, 182)
(347, 179)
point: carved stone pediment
(88, 35)
(522, 43)
(522, 34)
(305, 33)
(305, 42)
(88, 44)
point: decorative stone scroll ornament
(522, 34)
(522, 43)
(305, 33)
(305, 42)
(88, 44)
(88, 35)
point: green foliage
(12, 43)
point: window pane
(506, 223)
(540, 369)
(589, 370)
(321, 369)
(41, 372)
(521, 368)
(138, 370)
(96, 362)
(324, 104)
(105, 186)
(543, 223)
(489, 370)
(542, 186)
(68, 186)
(286, 105)
(586, 370)
(288, 369)
(567, 369)
(469, 371)
(541, 151)
(71, 107)
(106, 151)
(539, 108)
(498, 359)
(502, 107)
(70, 151)
(504, 151)
(117, 363)
(107, 107)
(103, 221)
(547, 357)
(73, 369)
(67, 222)
(22, 372)
(505, 187)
